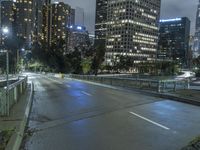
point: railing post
(175, 84)
(15, 94)
(159, 87)
(164, 84)
(187, 84)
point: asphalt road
(73, 115)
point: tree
(86, 65)
(98, 58)
(196, 64)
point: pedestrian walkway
(9, 126)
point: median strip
(148, 120)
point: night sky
(169, 9)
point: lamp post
(5, 32)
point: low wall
(160, 86)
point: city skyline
(99, 74)
(169, 9)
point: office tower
(79, 16)
(174, 36)
(46, 23)
(100, 21)
(132, 30)
(39, 5)
(71, 18)
(60, 13)
(196, 46)
(7, 18)
(25, 21)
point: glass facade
(196, 45)
(174, 35)
(60, 16)
(25, 20)
(7, 18)
(101, 20)
(132, 29)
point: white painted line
(88, 94)
(155, 123)
(54, 80)
(68, 86)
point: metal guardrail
(11, 96)
(160, 86)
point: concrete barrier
(161, 86)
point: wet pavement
(73, 115)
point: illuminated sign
(170, 20)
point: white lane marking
(54, 80)
(68, 86)
(88, 94)
(155, 123)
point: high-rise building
(196, 46)
(174, 36)
(72, 18)
(39, 5)
(7, 13)
(60, 13)
(25, 21)
(7, 17)
(100, 21)
(79, 16)
(46, 24)
(132, 30)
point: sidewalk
(10, 126)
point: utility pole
(5, 31)
(7, 82)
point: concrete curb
(18, 136)
(160, 95)
(181, 99)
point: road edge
(18, 136)
(160, 95)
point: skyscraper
(79, 16)
(196, 46)
(7, 17)
(7, 13)
(132, 30)
(39, 5)
(25, 20)
(60, 18)
(72, 18)
(46, 23)
(174, 36)
(100, 21)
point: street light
(5, 31)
